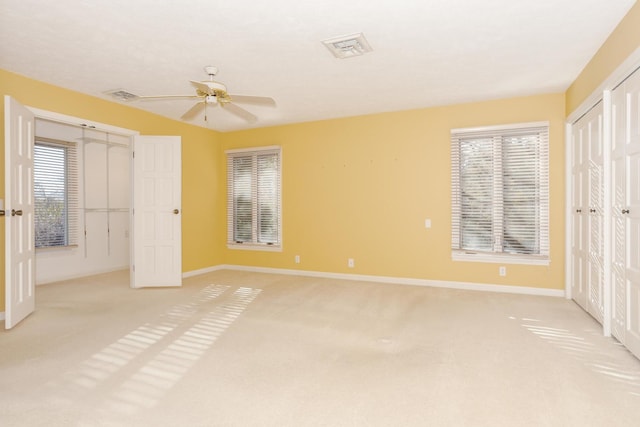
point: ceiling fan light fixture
(348, 46)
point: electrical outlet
(502, 271)
(427, 223)
(351, 263)
(297, 259)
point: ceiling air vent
(348, 46)
(122, 95)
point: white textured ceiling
(425, 52)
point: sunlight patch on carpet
(145, 388)
(105, 364)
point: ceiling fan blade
(161, 97)
(255, 100)
(203, 87)
(240, 112)
(193, 111)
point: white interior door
(19, 225)
(632, 213)
(587, 287)
(157, 214)
(579, 208)
(618, 220)
(595, 141)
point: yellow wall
(624, 40)
(362, 188)
(200, 159)
(358, 187)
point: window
(253, 198)
(55, 194)
(500, 200)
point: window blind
(500, 190)
(55, 182)
(267, 198)
(253, 197)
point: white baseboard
(202, 271)
(1, 315)
(524, 290)
(80, 275)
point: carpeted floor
(235, 348)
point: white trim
(253, 149)
(510, 126)
(607, 202)
(568, 229)
(254, 247)
(484, 287)
(198, 272)
(83, 274)
(76, 121)
(498, 258)
(1, 315)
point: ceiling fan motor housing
(211, 70)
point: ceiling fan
(212, 93)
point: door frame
(76, 121)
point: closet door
(618, 220)
(595, 220)
(632, 213)
(587, 213)
(579, 244)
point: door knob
(176, 211)
(16, 212)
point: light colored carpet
(234, 348)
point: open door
(19, 221)
(157, 215)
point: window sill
(499, 258)
(56, 248)
(255, 247)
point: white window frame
(254, 244)
(497, 133)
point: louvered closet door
(618, 204)
(595, 179)
(632, 214)
(587, 213)
(579, 248)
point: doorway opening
(150, 184)
(82, 199)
